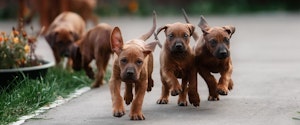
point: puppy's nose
(178, 45)
(223, 53)
(130, 72)
(65, 54)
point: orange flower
(31, 39)
(24, 34)
(5, 39)
(16, 33)
(133, 6)
(16, 40)
(1, 38)
(27, 48)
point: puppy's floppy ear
(76, 57)
(75, 36)
(161, 28)
(229, 29)
(203, 25)
(150, 47)
(116, 40)
(191, 28)
(51, 37)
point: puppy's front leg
(128, 96)
(193, 94)
(182, 96)
(101, 62)
(165, 91)
(136, 107)
(211, 84)
(118, 107)
(69, 64)
(172, 81)
(168, 79)
(86, 66)
(225, 82)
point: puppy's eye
(124, 61)
(170, 36)
(213, 43)
(139, 62)
(227, 41)
(186, 36)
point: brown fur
(212, 55)
(67, 28)
(178, 63)
(95, 45)
(133, 64)
(48, 10)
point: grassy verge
(296, 118)
(28, 95)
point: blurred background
(102, 8)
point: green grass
(28, 95)
(296, 118)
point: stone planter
(10, 75)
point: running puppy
(67, 28)
(212, 55)
(95, 44)
(133, 64)
(177, 61)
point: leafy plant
(17, 49)
(30, 94)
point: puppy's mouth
(65, 53)
(129, 79)
(129, 75)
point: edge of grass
(28, 95)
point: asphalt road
(265, 51)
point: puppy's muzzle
(222, 53)
(65, 53)
(129, 75)
(178, 47)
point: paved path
(265, 52)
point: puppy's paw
(118, 112)
(91, 75)
(150, 85)
(137, 116)
(230, 85)
(182, 103)
(213, 98)
(176, 91)
(162, 101)
(128, 98)
(222, 90)
(194, 99)
(95, 85)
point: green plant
(17, 49)
(296, 118)
(30, 94)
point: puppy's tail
(157, 40)
(147, 35)
(195, 35)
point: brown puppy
(213, 56)
(46, 12)
(94, 45)
(67, 28)
(177, 61)
(133, 64)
